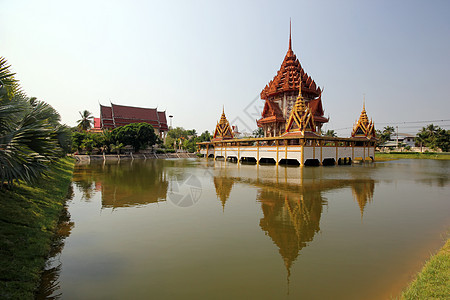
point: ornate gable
(223, 129)
(301, 118)
(363, 127)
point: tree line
(431, 136)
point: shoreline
(432, 281)
(381, 156)
(29, 216)
(114, 157)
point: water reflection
(292, 210)
(123, 185)
(49, 287)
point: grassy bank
(433, 282)
(28, 217)
(415, 155)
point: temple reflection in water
(291, 212)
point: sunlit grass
(28, 217)
(433, 282)
(408, 155)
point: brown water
(189, 229)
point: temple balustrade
(300, 151)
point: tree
(331, 133)
(137, 135)
(258, 133)
(31, 136)
(86, 120)
(434, 137)
(204, 137)
(116, 147)
(385, 135)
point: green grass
(433, 282)
(416, 155)
(28, 218)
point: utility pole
(397, 136)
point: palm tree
(28, 135)
(86, 120)
(331, 133)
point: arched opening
(219, 157)
(312, 162)
(267, 161)
(211, 156)
(232, 159)
(289, 162)
(248, 160)
(329, 162)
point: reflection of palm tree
(86, 120)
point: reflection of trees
(50, 276)
(124, 184)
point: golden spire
(300, 103)
(223, 128)
(290, 29)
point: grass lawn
(433, 282)
(28, 217)
(417, 155)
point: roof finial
(223, 108)
(364, 101)
(290, 29)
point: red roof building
(119, 115)
(280, 95)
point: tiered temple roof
(288, 78)
(363, 127)
(278, 94)
(223, 129)
(119, 115)
(301, 119)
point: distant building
(404, 139)
(119, 115)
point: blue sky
(190, 58)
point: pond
(196, 228)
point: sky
(194, 58)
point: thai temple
(292, 121)
(283, 91)
(119, 115)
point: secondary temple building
(292, 120)
(119, 115)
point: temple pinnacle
(290, 29)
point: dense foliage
(137, 135)
(179, 138)
(434, 137)
(31, 136)
(384, 135)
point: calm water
(189, 229)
